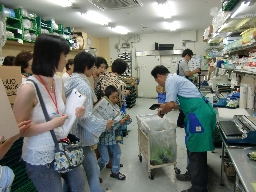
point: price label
(20, 41)
(19, 31)
(71, 41)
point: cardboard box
(130, 80)
(160, 89)
(229, 169)
(8, 125)
(11, 78)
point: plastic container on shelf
(27, 24)
(247, 35)
(33, 36)
(24, 12)
(9, 12)
(9, 34)
(27, 36)
(232, 103)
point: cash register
(241, 130)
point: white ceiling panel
(192, 15)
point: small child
(110, 139)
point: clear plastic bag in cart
(163, 148)
(162, 138)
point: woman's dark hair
(187, 52)
(22, 60)
(119, 66)
(47, 51)
(70, 62)
(109, 90)
(83, 60)
(159, 70)
(9, 61)
(99, 61)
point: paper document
(8, 125)
(105, 110)
(74, 100)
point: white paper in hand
(74, 100)
(105, 110)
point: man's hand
(161, 105)
(197, 70)
(159, 114)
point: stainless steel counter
(245, 168)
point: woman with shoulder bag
(38, 151)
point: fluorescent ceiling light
(164, 9)
(95, 17)
(119, 29)
(172, 26)
(63, 3)
(240, 9)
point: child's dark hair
(109, 90)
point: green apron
(200, 122)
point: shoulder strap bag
(67, 156)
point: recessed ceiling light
(172, 26)
(119, 29)
(95, 17)
(63, 3)
(164, 9)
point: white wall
(147, 42)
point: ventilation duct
(116, 4)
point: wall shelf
(245, 72)
(244, 20)
(243, 48)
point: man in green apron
(200, 122)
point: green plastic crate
(230, 5)
(1, 8)
(17, 13)
(43, 25)
(67, 30)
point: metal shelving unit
(241, 49)
(127, 56)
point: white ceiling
(192, 15)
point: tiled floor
(137, 175)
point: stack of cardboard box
(160, 89)
(131, 81)
(132, 86)
(229, 169)
(161, 96)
